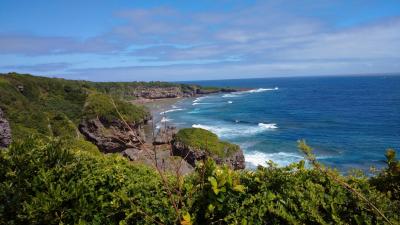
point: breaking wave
(256, 158)
(268, 125)
(171, 110)
(165, 119)
(235, 130)
(237, 94)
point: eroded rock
(5, 131)
(114, 136)
(165, 135)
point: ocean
(348, 121)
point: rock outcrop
(192, 154)
(165, 135)
(177, 91)
(158, 92)
(5, 131)
(112, 136)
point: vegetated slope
(52, 106)
(54, 182)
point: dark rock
(159, 156)
(191, 155)
(165, 135)
(5, 131)
(132, 154)
(112, 136)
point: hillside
(55, 107)
(54, 172)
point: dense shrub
(388, 180)
(70, 182)
(102, 105)
(203, 139)
(52, 183)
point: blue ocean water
(349, 121)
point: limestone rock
(112, 136)
(5, 131)
(164, 135)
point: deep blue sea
(349, 121)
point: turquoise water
(349, 121)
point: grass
(205, 140)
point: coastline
(156, 108)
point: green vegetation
(124, 89)
(54, 107)
(64, 182)
(50, 182)
(38, 105)
(198, 138)
(56, 177)
(101, 105)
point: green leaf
(214, 184)
(239, 188)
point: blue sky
(118, 40)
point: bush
(287, 195)
(205, 140)
(101, 105)
(47, 182)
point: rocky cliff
(5, 131)
(114, 136)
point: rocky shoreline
(91, 115)
(154, 146)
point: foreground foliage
(70, 182)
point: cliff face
(114, 136)
(159, 92)
(5, 131)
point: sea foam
(236, 130)
(171, 110)
(165, 120)
(268, 125)
(256, 158)
(238, 94)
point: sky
(128, 40)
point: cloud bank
(164, 43)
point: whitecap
(199, 99)
(261, 90)
(202, 103)
(268, 125)
(171, 110)
(230, 95)
(165, 119)
(256, 158)
(235, 130)
(239, 93)
(230, 102)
